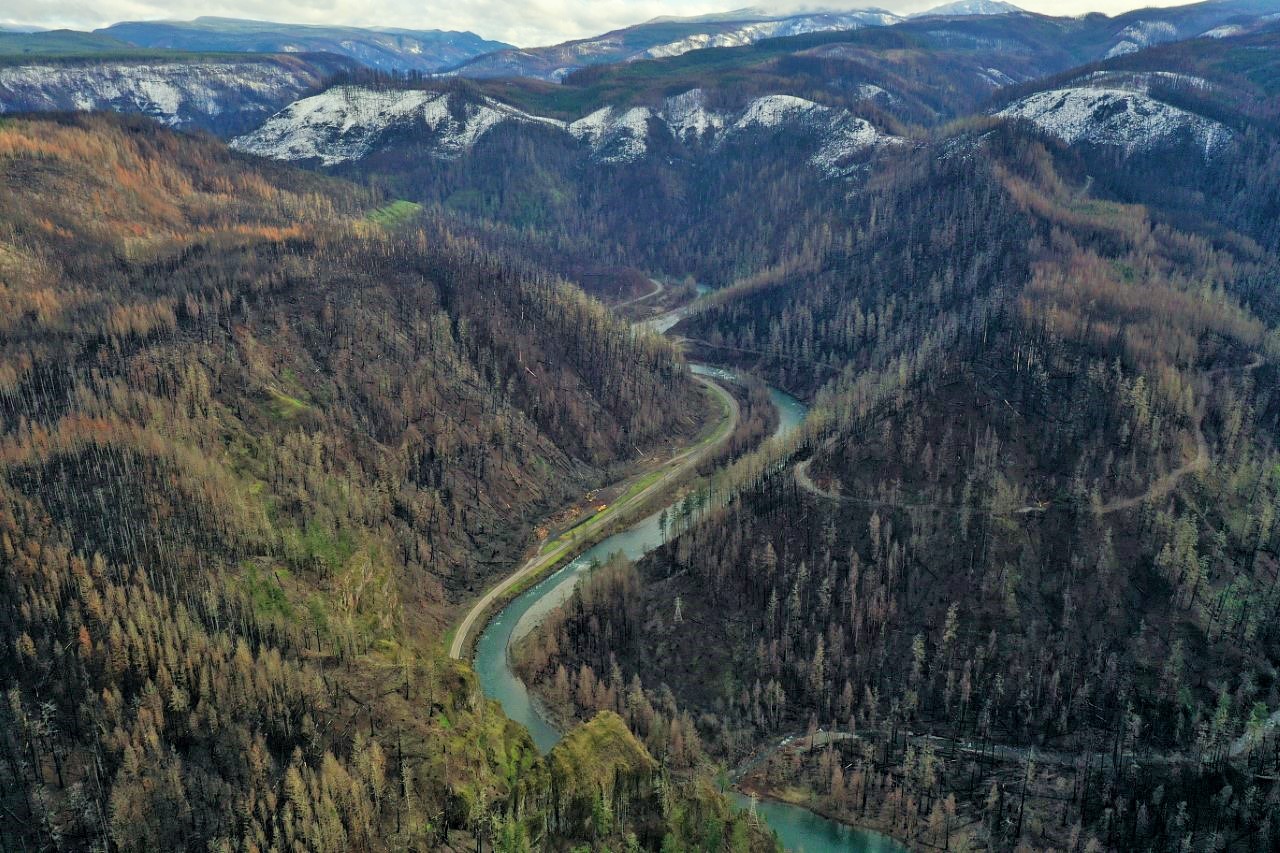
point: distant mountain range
(663, 37)
(969, 7)
(1114, 105)
(979, 45)
(223, 95)
(1085, 38)
(466, 54)
(382, 49)
(48, 44)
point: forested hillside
(256, 444)
(1033, 517)
(284, 421)
(1233, 83)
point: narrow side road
(1007, 753)
(675, 468)
(1165, 484)
(1158, 489)
(807, 483)
(658, 287)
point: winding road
(624, 510)
(1161, 487)
(1165, 484)
(1238, 748)
(658, 287)
(806, 482)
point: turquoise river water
(799, 829)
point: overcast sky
(523, 22)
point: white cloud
(523, 22)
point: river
(799, 829)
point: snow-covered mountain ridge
(662, 38)
(969, 7)
(349, 123)
(1117, 110)
(750, 33)
(385, 49)
(230, 95)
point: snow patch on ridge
(688, 117)
(849, 137)
(774, 110)
(346, 123)
(969, 7)
(841, 135)
(1119, 117)
(175, 94)
(997, 78)
(870, 92)
(1142, 34)
(1139, 81)
(1123, 48)
(750, 33)
(615, 135)
(1222, 32)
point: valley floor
(639, 490)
